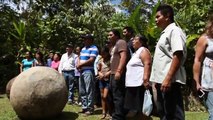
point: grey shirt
(172, 39)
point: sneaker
(109, 117)
(103, 115)
(76, 102)
(79, 103)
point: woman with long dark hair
(39, 59)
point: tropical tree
(99, 18)
(49, 25)
(7, 46)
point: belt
(84, 70)
(68, 70)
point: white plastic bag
(147, 103)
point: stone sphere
(38, 93)
(8, 87)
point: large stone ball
(38, 93)
(8, 87)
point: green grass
(70, 113)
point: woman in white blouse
(137, 76)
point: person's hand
(117, 76)
(146, 84)
(166, 85)
(100, 76)
(198, 87)
(78, 67)
(106, 76)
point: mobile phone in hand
(200, 93)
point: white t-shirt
(172, 39)
(135, 70)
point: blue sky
(115, 1)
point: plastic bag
(147, 103)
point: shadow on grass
(61, 116)
(66, 116)
(97, 111)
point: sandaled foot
(103, 116)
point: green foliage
(8, 68)
(49, 25)
(134, 20)
(117, 21)
(142, 20)
(192, 15)
(99, 18)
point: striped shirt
(86, 53)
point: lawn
(70, 113)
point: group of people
(133, 71)
(65, 64)
(29, 61)
(125, 69)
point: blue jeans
(209, 104)
(86, 89)
(69, 78)
(170, 104)
(76, 85)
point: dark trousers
(117, 87)
(97, 99)
(170, 104)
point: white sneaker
(79, 103)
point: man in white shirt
(66, 68)
(168, 72)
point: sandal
(103, 115)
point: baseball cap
(69, 45)
(88, 36)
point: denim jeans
(209, 104)
(170, 104)
(69, 78)
(86, 89)
(76, 86)
(117, 87)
